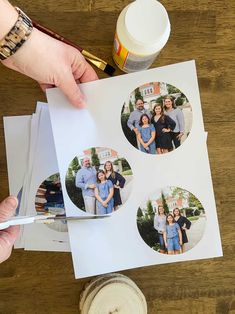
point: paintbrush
(99, 63)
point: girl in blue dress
(146, 135)
(172, 236)
(104, 194)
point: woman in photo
(159, 223)
(184, 224)
(118, 182)
(172, 236)
(163, 125)
(104, 194)
(146, 135)
(177, 115)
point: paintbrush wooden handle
(51, 33)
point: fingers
(9, 235)
(71, 90)
(45, 86)
(88, 75)
(7, 239)
(8, 207)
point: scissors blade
(23, 220)
(69, 218)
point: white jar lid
(147, 24)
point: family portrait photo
(171, 220)
(98, 181)
(49, 200)
(156, 118)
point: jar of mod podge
(143, 28)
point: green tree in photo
(130, 135)
(94, 158)
(194, 202)
(125, 164)
(74, 193)
(164, 203)
(159, 100)
(131, 107)
(54, 177)
(179, 101)
(138, 94)
(149, 210)
(172, 89)
(139, 213)
(147, 232)
(73, 168)
(180, 192)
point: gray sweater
(177, 115)
(134, 118)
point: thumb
(70, 88)
(8, 207)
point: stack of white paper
(146, 180)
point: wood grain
(43, 282)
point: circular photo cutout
(156, 118)
(99, 180)
(171, 220)
(49, 199)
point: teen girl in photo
(184, 224)
(175, 114)
(104, 194)
(163, 125)
(159, 223)
(172, 236)
(118, 182)
(146, 135)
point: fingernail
(82, 102)
(11, 202)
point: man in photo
(134, 118)
(86, 181)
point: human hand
(180, 135)
(53, 63)
(9, 235)
(184, 227)
(92, 186)
(164, 130)
(136, 131)
(104, 204)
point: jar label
(130, 62)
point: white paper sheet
(114, 244)
(17, 133)
(41, 236)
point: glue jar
(143, 28)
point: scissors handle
(18, 220)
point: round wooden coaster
(112, 294)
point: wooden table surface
(43, 282)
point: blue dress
(103, 190)
(146, 134)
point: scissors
(46, 219)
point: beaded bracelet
(16, 36)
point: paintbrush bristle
(109, 69)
